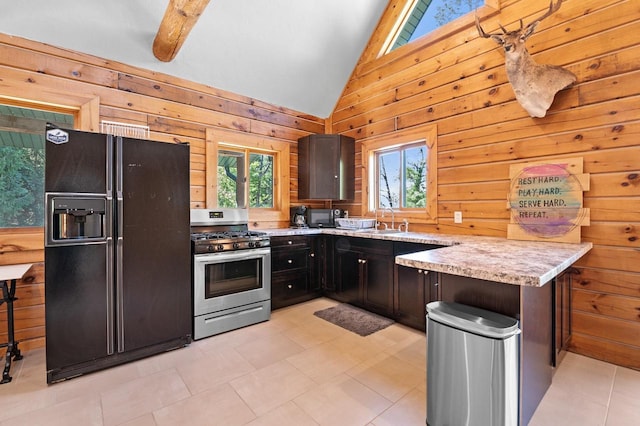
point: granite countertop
(516, 262)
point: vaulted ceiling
(293, 53)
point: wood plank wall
(175, 110)
(457, 81)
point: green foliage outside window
(415, 168)
(261, 180)
(21, 187)
(232, 181)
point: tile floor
(295, 369)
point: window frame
(398, 21)
(245, 154)
(85, 112)
(221, 140)
(402, 189)
(370, 176)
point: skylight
(427, 15)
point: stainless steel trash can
(472, 366)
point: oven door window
(232, 277)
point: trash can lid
(472, 319)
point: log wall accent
(451, 78)
(456, 80)
(176, 110)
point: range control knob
(252, 244)
(210, 248)
(219, 247)
(236, 246)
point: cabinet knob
(419, 271)
(289, 242)
(289, 261)
(335, 177)
(289, 286)
(364, 261)
(312, 255)
(436, 284)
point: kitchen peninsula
(522, 279)
(496, 259)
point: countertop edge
(486, 258)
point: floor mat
(353, 319)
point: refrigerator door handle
(109, 166)
(110, 298)
(119, 297)
(119, 184)
(119, 245)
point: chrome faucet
(393, 218)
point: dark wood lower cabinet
(293, 272)
(412, 292)
(363, 273)
(413, 288)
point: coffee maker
(299, 217)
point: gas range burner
(221, 230)
(226, 235)
(228, 241)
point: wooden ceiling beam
(178, 20)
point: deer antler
(552, 9)
(528, 29)
(481, 31)
(532, 26)
(495, 36)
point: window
(402, 174)
(424, 16)
(233, 179)
(22, 164)
(244, 170)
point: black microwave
(323, 218)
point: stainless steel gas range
(231, 272)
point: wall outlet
(457, 217)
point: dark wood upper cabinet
(326, 167)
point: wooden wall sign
(546, 201)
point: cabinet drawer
(288, 241)
(283, 260)
(289, 285)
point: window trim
(398, 21)
(218, 139)
(401, 151)
(85, 111)
(369, 148)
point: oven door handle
(232, 255)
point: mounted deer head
(535, 85)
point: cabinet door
(326, 167)
(324, 177)
(328, 282)
(348, 270)
(317, 259)
(378, 282)
(411, 295)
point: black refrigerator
(117, 250)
